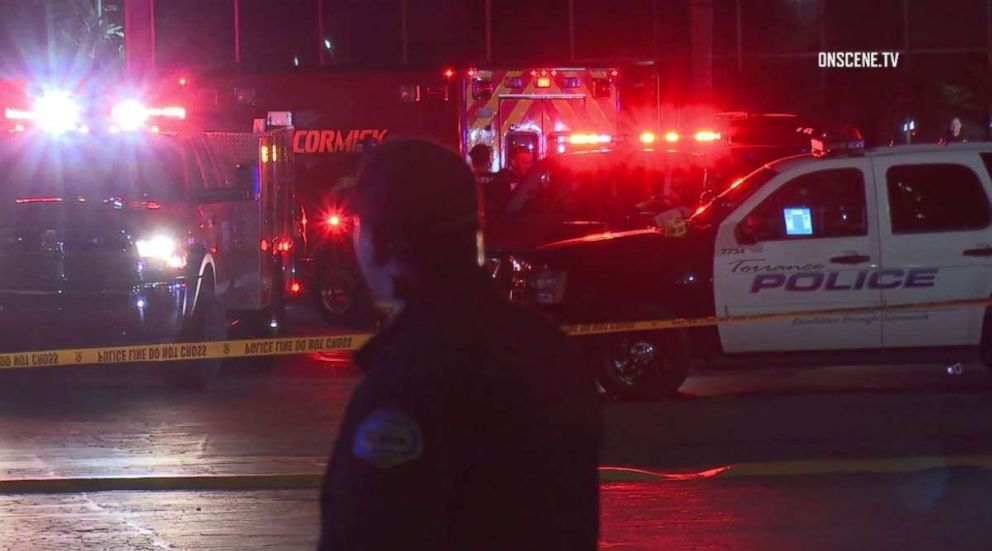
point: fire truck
(121, 222)
(338, 115)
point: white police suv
(848, 230)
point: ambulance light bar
(589, 139)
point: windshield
(602, 188)
(714, 210)
(149, 168)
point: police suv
(118, 225)
(853, 231)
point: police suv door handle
(853, 258)
(979, 251)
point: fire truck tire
(343, 300)
(647, 365)
(207, 323)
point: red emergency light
(589, 139)
(707, 136)
(648, 138)
(672, 136)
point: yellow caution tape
(184, 351)
(653, 325)
(342, 343)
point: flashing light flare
(129, 115)
(183, 81)
(449, 73)
(334, 220)
(295, 288)
(17, 114)
(672, 136)
(707, 136)
(648, 138)
(56, 113)
(543, 82)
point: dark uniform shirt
(497, 192)
(476, 427)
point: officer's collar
(456, 298)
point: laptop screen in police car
(798, 221)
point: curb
(887, 465)
(607, 475)
(161, 483)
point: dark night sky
(779, 40)
(367, 32)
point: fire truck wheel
(342, 299)
(646, 365)
(208, 323)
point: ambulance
(122, 223)
(547, 110)
(885, 242)
(339, 115)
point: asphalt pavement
(835, 457)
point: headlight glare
(163, 249)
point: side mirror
(748, 230)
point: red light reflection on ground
(643, 474)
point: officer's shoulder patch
(387, 438)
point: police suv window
(827, 203)
(936, 198)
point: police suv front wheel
(643, 365)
